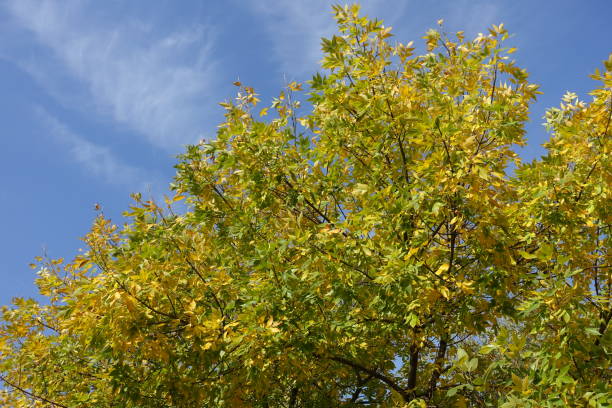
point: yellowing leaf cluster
(377, 251)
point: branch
(343, 262)
(400, 143)
(31, 395)
(437, 371)
(603, 326)
(220, 194)
(609, 119)
(406, 397)
(586, 179)
(142, 302)
(312, 206)
(414, 365)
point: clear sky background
(98, 97)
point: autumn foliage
(386, 248)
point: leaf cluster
(373, 252)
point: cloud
(97, 160)
(158, 85)
(473, 16)
(296, 28)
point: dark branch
(374, 374)
(30, 394)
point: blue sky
(98, 97)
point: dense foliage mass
(375, 251)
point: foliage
(376, 251)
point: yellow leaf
(263, 112)
(518, 382)
(79, 263)
(237, 83)
(178, 197)
(271, 325)
(461, 403)
(527, 255)
(411, 253)
(443, 268)
(444, 292)
(129, 303)
(466, 286)
(294, 86)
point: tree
(375, 251)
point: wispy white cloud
(98, 160)
(157, 85)
(473, 16)
(296, 28)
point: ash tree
(375, 251)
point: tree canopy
(381, 245)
